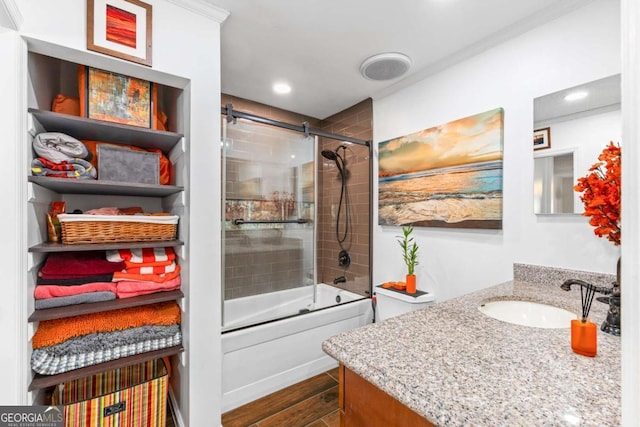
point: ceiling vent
(385, 66)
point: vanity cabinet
(49, 76)
(362, 404)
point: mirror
(553, 180)
(571, 127)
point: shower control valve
(344, 260)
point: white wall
(573, 49)
(12, 305)
(631, 244)
(187, 45)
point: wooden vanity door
(364, 405)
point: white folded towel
(57, 147)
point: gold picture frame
(120, 28)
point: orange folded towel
(51, 332)
(129, 265)
(158, 278)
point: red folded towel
(129, 264)
(69, 265)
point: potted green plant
(410, 256)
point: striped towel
(141, 255)
(152, 268)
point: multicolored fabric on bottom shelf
(133, 396)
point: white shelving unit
(49, 76)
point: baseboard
(240, 396)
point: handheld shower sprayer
(344, 260)
(336, 157)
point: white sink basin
(527, 313)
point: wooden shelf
(99, 130)
(42, 381)
(96, 307)
(59, 247)
(91, 186)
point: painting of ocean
(445, 176)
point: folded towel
(106, 340)
(55, 331)
(73, 168)
(53, 291)
(103, 211)
(141, 255)
(89, 298)
(158, 278)
(73, 265)
(75, 281)
(151, 269)
(128, 289)
(58, 147)
(44, 363)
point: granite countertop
(458, 367)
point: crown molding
(202, 7)
(10, 15)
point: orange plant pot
(584, 338)
(410, 280)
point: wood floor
(310, 403)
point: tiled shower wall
(355, 122)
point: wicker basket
(80, 229)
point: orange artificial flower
(601, 190)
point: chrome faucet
(611, 324)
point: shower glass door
(268, 188)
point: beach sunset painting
(446, 176)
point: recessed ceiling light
(281, 88)
(575, 96)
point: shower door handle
(241, 221)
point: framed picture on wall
(542, 139)
(120, 28)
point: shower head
(331, 155)
(337, 158)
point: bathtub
(261, 359)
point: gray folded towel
(89, 297)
